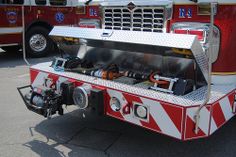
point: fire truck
(35, 19)
(167, 66)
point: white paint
(62, 79)
(224, 79)
(162, 119)
(120, 97)
(226, 108)
(11, 30)
(40, 78)
(204, 118)
(213, 126)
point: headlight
(202, 31)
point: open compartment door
(145, 42)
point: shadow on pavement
(43, 149)
(72, 135)
(10, 59)
(90, 136)
(104, 136)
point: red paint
(218, 115)
(10, 38)
(180, 31)
(199, 34)
(225, 20)
(53, 77)
(231, 99)
(183, 123)
(38, 13)
(189, 132)
(173, 113)
(33, 75)
(151, 124)
(132, 98)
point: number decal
(185, 13)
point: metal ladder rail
(23, 34)
(208, 95)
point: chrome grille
(149, 19)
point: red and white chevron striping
(169, 119)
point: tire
(11, 49)
(37, 42)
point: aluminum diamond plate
(201, 58)
(142, 38)
(194, 98)
(159, 40)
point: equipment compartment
(172, 75)
(148, 62)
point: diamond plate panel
(142, 38)
(163, 40)
(194, 98)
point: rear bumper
(171, 115)
(27, 103)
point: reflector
(199, 33)
(180, 31)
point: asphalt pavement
(25, 134)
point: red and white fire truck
(168, 66)
(36, 18)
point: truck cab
(36, 18)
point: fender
(39, 23)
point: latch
(106, 33)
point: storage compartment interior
(163, 73)
(170, 63)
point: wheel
(11, 49)
(38, 43)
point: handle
(107, 33)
